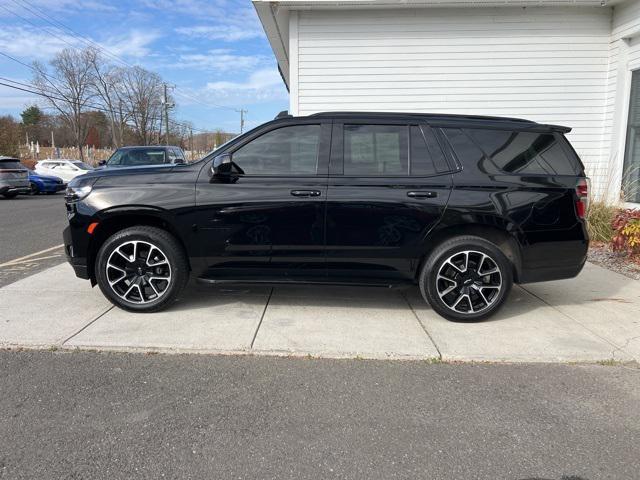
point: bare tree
(142, 94)
(108, 85)
(68, 89)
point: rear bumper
(14, 189)
(546, 274)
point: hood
(128, 171)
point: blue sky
(213, 50)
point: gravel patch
(605, 257)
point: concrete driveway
(595, 317)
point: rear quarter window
(526, 153)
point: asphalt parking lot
(30, 225)
(89, 415)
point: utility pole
(167, 106)
(242, 113)
(191, 144)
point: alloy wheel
(138, 272)
(469, 282)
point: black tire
(168, 247)
(10, 195)
(480, 300)
(33, 189)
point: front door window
(631, 173)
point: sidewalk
(594, 317)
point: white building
(569, 62)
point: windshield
(136, 157)
(82, 165)
(12, 165)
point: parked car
(143, 156)
(64, 168)
(13, 177)
(462, 206)
(45, 183)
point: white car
(64, 168)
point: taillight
(582, 192)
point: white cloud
(226, 33)
(23, 42)
(219, 58)
(57, 6)
(261, 86)
(135, 43)
(12, 100)
(227, 20)
(40, 45)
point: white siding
(624, 58)
(548, 64)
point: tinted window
(375, 150)
(287, 150)
(466, 150)
(524, 152)
(179, 154)
(426, 155)
(136, 157)
(11, 165)
(82, 165)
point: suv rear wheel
(466, 278)
(141, 269)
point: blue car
(45, 183)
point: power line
(37, 26)
(97, 107)
(88, 105)
(103, 49)
(87, 41)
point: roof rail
(425, 115)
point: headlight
(74, 194)
(78, 189)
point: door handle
(422, 194)
(305, 193)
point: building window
(631, 172)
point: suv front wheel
(466, 278)
(141, 269)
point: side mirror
(102, 163)
(222, 165)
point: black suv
(462, 206)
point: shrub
(600, 218)
(626, 225)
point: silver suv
(14, 177)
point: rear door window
(376, 150)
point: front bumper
(54, 187)
(79, 264)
